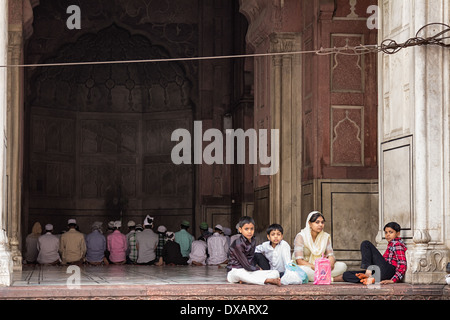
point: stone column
(6, 265)
(285, 114)
(14, 133)
(274, 27)
(414, 137)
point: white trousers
(251, 277)
(339, 269)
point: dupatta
(317, 247)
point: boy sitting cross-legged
(241, 267)
(275, 253)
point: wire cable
(387, 46)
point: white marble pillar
(6, 264)
(414, 137)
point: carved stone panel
(55, 135)
(347, 144)
(347, 72)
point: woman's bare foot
(338, 279)
(275, 281)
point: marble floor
(131, 282)
(35, 275)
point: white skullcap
(170, 235)
(148, 221)
(97, 225)
(72, 221)
(162, 229)
(49, 227)
(218, 226)
(117, 224)
(131, 223)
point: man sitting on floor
(72, 245)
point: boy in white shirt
(275, 253)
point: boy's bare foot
(361, 276)
(367, 281)
(275, 281)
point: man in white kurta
(198, 253)
(48, 246)
(217, 247)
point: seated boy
(275, 253)
(241, 266)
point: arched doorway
(97, 137)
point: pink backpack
(322, 271)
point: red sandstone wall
(339, 93)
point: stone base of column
(6, 263)
(427, 264)
(16, 256)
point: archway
(98, 136)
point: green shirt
(184, 239)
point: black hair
(244, 220)
(315, 216)
(393, 225)
(274, 227)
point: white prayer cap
(148, 221)
(170, 235)
(131, 223)
(72, 221)
(117, 224)
(227, 231)
(162, 229)
(97, 225)
(49, 227)
(111, 224)
(218, 226)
